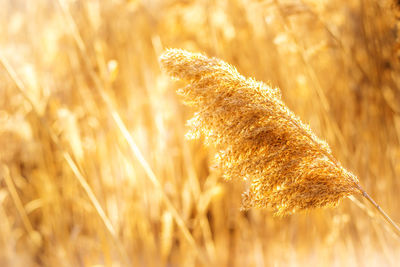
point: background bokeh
(94, 166)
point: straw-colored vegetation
(95, 169)
(259, 139)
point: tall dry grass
(95, 169)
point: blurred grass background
(94, 166)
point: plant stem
(394, 225)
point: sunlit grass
(95, 169)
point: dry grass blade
(35, 236)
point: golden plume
(259, 139)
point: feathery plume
(258, 138)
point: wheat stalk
(259, 138)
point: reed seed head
(258, 138)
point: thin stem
(394, 225)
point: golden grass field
(95, 169)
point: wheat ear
(259, 139)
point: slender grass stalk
(389, 220)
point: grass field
(95, 169)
